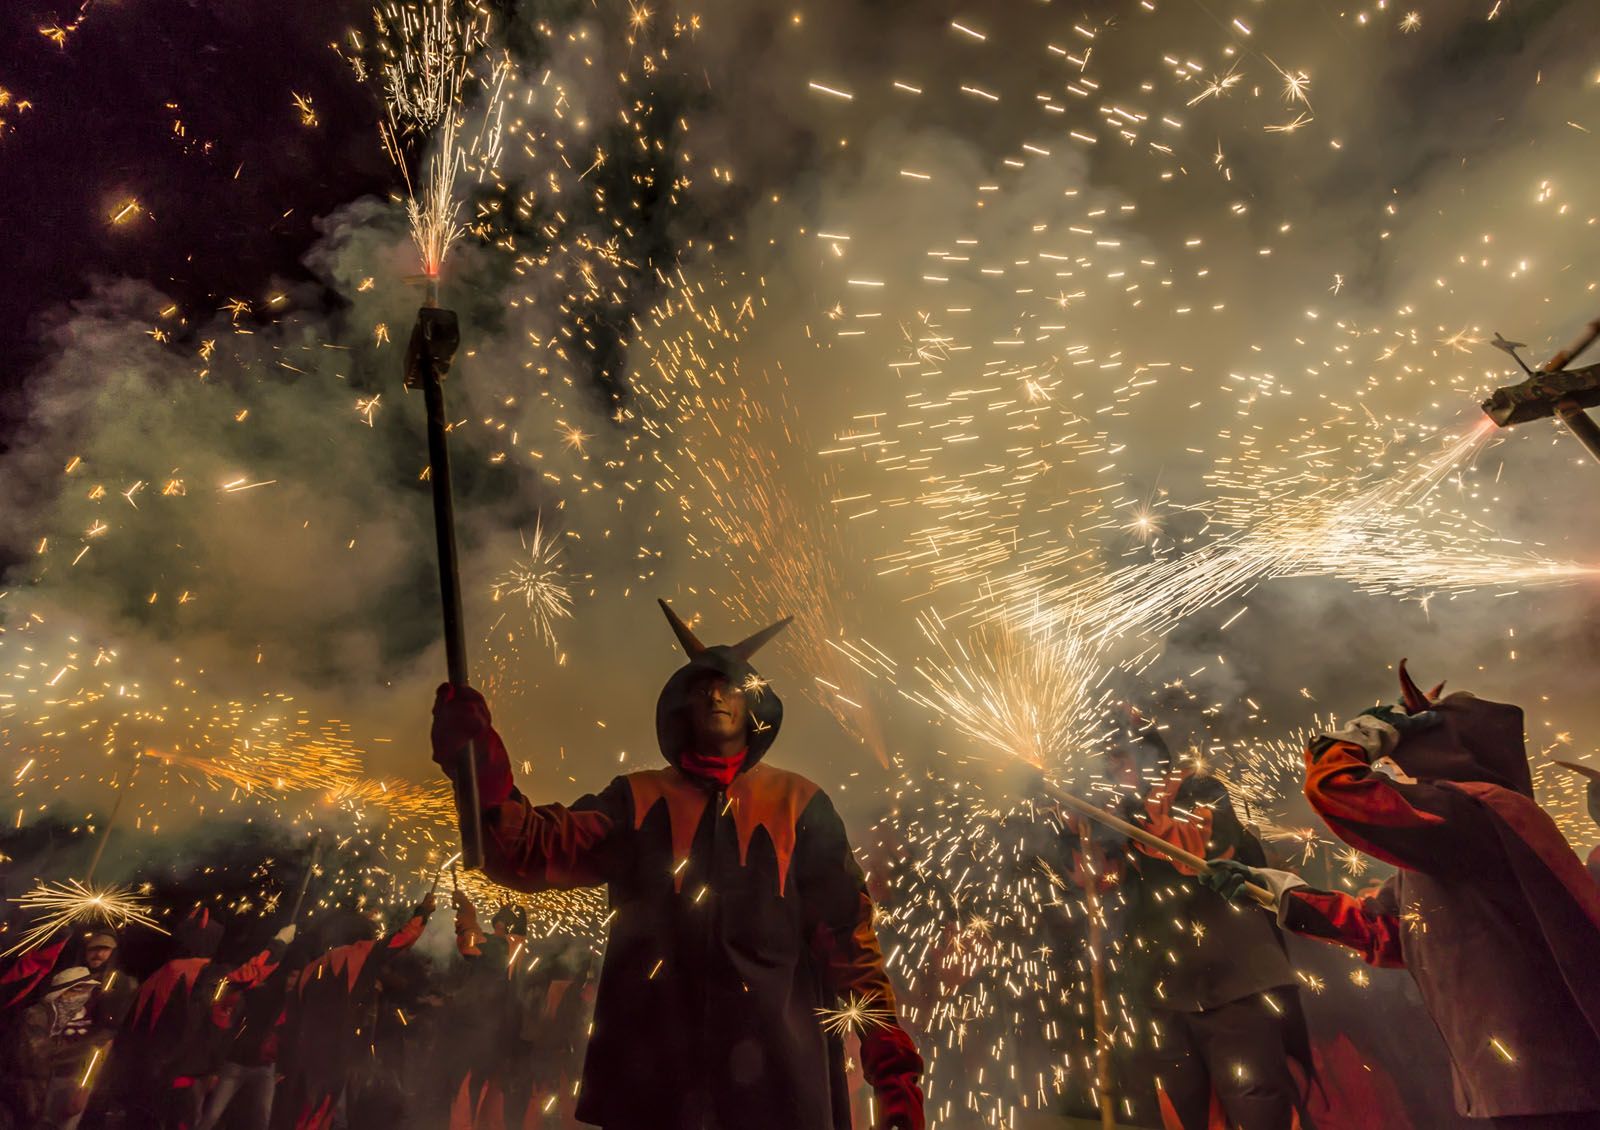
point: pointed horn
(692, 647)
(748, 646)
(1411, 696)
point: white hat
(69, 978)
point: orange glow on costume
(762, 797)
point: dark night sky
(225, 205)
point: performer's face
(96, 956)
(717, 709)
(1122, 768)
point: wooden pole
(1149, 839)
(305, 882)
(1097, 984)
(111, 820)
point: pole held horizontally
(1149, 839)
(432, 348)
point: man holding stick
(739, 914)
(1223, 999)
(1491, 911)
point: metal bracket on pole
(1552, 390)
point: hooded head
(197, 935)
(508, 918)
(674, 729)
(1476, 740)
(1135, 755)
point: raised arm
(30, 968)
(527, 847)
(838, 917)
(407, 934)
(1370, 926)
(1372, 805)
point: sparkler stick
(1150, 840)
(111, 820)
(448, 865)
(433, 346)
(305, 882)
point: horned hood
(732, 662)
(197, 935)
(1476, 739)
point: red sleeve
(257, 969)
(1417, 825)
(1371, 926)
(467, 933)
(28, 970)
(531, 847)
(406, 937)
(1188, 829)
(844, 941)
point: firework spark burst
(74, 903)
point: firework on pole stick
(305, 881)
(1149, 839)
(433, 347)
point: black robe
(737, 915)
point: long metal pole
(1580, 424)
(455, 646)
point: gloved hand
(1403, 722)
(899, 1103)
(468, 935)
(1227, 877)
(285, 935)
(890, 1062)
(1377, 731)
(427, 905)
(460, 715)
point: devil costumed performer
(1491, 911)
(738, 912)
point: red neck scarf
(712, 767)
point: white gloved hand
(285, 935)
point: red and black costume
(330, 1027)
(178, 1031)
(1224, 1001)
(22, 978)
(739, 912)
(1491, 911)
